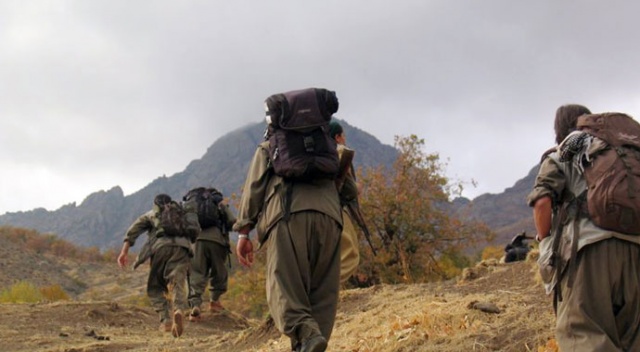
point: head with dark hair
(161, 199)
(335, 129)
(566, 120)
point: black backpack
(206, 203)
(300, 147)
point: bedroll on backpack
(173, 222)
(206, 203)
(613, 177)
(176, 221)
(300, 147)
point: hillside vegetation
(441, 316)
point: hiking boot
(178, 324)
(195, 314)
(165, 326)
(314, 344)
(215, 307)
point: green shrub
(246, 293)
(21, 292)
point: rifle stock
(346, 159)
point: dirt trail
(426, 317)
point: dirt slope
(18, 263)
(427, 317)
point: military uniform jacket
(561, 181)
(149, 222)
(558, 180)
(262, 203)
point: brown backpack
(613, 177)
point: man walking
(170, 259)
(298, 221)
(211, 250)
(593, 272)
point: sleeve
(550, 182)
(141, 225)
(229, 216)
(254, 190)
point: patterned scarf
(575, 147)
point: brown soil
(423, 317)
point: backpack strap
(286, 203)
(556, 258)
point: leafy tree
(406, 206)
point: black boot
(316, 343)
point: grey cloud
(94, 86)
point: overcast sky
(95, 94)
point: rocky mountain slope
(505, 213)
(103, 217)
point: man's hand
(122, 260)
(124, 253)
(244, 251)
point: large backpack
(206, 203)
(613, 177)
(300, 147)
(173, 220)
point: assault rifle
(346, 160)
(353, 207)
(354, 211)
(517, 240)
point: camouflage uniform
(598, 304)
(211, 254)
(170, 261)
(303, 252)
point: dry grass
(439, 317)
(383, 318)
